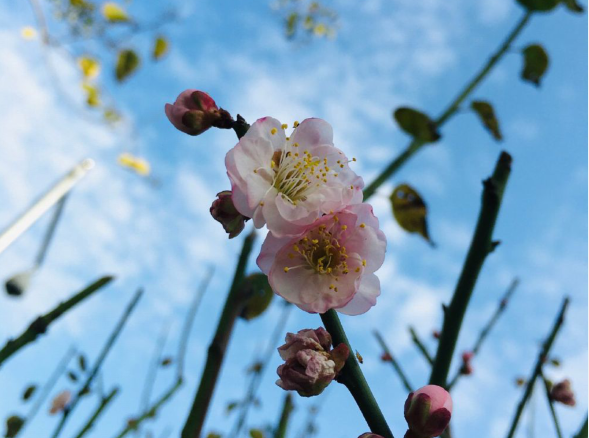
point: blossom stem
(216, 352)
(40, 325)
(96, 368)
(351, 375)
(393, 361)
(451, 109)
(546, 346)
(104, 402)
(240, 126)
(489, 326)
(420, 346)
(287, 408)
(480, 247)
(551, 405)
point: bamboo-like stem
(393, 361)
(216, 352)
(481, 246)
(488, 327)
(309, 428)
(546, 346)
(451, 109)
(40, 325)
(583, 430)
(96, 368)
(151, 411)
(257, 375)
(104, 402)
(287, 408)
(420, 346)
(547, 385)
(352, 377)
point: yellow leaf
(410, 210)
(114, 13)
(320, 29)
(28, 33)
(92, 94)
(127, 62)
(139, 165)
(160, 47)
(90, 67)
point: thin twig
(420, 346)
(96, 368)
(481, 246)
(287, 408)
(393, 361)
(104, 402)
(40, 325)
(546, 346)
(547, 386)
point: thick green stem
(481, 246)
(546, 346)
(390, 358)
(547, 387)
(96, 368)
(488, 327)
(583, 431)
(352, 376)
(40, 325)
(451, 109)
(287, 408)
(99, 410)
(216, 352)
(420, 346)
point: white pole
(53, 195)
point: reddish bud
(428, 411)
(370, 435)
(195, 111)
(386, 357)
(563, 393)
(436, 334)
(466, 365)
(224, 212)
(310, 364)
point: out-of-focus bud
(195, 111)
(386, 357)
(428, 411)
(520, 381)
(466, 365)
(563, 393)
(310, 364)
(370, 435)
(436, 334)
(224, 212)
(60, 402)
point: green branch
(393, 361)
(104, 402)
(480, 247)
(40, 325)
(547, 387)
(583, 431)
(420, 346)
(216, 352)
(546, 346)
(352, 377)
(450, 110)
(96, 368)
(489, 326)
(287, 408)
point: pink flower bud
(428, 411)
(224, 212)
(436, 334)
(466, 365)
(310, 364)
(563, 393)
(370, 435)
(60, 402)
(195, 111)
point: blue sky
(387, 54)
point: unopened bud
(563, 393)
(60, 402)
(428, 411)
(224, 212)
(195, 111)
(466, 365)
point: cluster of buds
(466, 368)
(310, 363)
(563, 393)
(195, 111)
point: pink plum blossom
(428, 411)
(288, 183)
(60, 402)
(195, 111)
(330, 265)
(310, 363)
